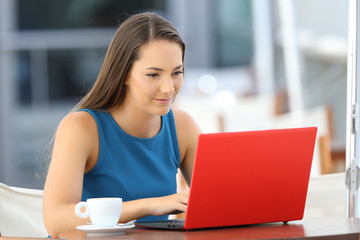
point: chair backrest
(326, 196)
(21, 212)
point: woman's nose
(167, 86)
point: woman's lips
(163, 100)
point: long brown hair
(109, 89)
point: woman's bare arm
(63, 187)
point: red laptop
(243, 178)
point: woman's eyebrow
(161, 70)
(154, 68)
(178, 67)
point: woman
(123, 139)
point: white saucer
(115, 230)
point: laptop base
(175, 224)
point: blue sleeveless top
(130, 167)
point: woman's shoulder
(182, 116)
(185, 124)
(78, 118)
(80, 122)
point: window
(233, 32)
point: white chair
(326, 196)
(21, 212)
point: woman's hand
(171, 204)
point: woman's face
(155, 79)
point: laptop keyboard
(175, 223)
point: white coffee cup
(103, 212)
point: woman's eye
(178, 73)
(152, 75)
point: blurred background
(250, 65)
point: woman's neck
(136, 123)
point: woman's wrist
(146, 206)
(136, 209)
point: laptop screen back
(250, 177)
